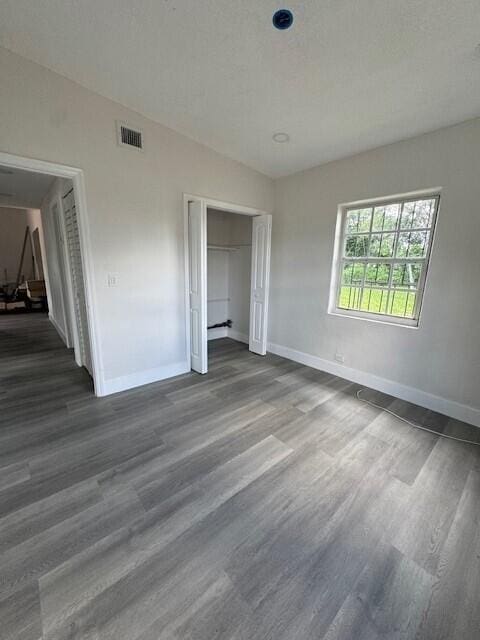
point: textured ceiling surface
(20, 188)
(346, 77)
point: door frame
(220, 205)
(77, 177)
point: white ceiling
(26, 189)
(348, 76)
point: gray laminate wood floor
(261, 501)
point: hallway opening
(43, 269)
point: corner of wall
(140, 378)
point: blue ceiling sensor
(282, 19)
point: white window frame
(338, 258)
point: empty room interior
(239, 320)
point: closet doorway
(227, 265)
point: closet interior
(229, 256)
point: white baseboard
(236, 335)
(215, 334)
(449, 408)
(58, 329)
(122, 383)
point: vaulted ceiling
(349, 75)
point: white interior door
(77, 280)
(261, 243)
(197, 246)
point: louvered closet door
(78, 285)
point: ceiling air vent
(128, 137)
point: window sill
(395, 322)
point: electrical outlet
(339, 357)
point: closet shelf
(226, 247)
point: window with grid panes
(383, 258)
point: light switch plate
(112, 279)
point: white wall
(229, 272)
(219, 227)
(239, 290)
(34, 221)
(442, 356)
(135, 209)
(240, 274)
(136, 231)
(13, 223)
(218, 272)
